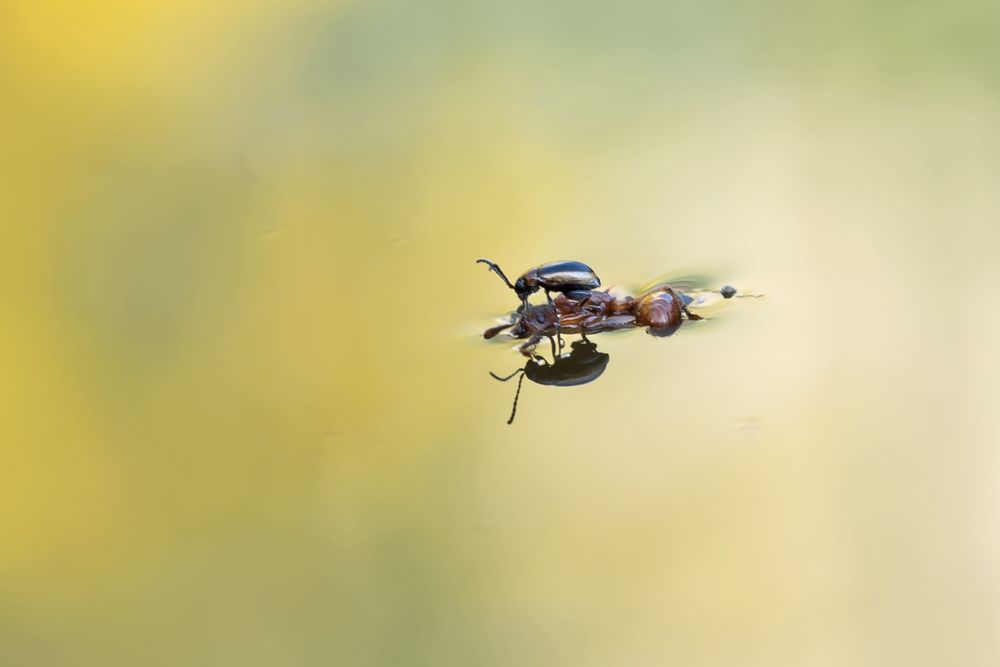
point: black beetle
(582, 365)
(568, 277)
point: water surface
(248, 417)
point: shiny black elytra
(583, 364)
(569, 277)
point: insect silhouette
(583, 364)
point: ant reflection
(583, 364)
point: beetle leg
(504, 379)
(558, 333)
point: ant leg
(593, 319)
(555, 355)
(691, 316)
(528, 348)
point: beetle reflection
(583, 364)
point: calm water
(248, 418)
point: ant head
(544, 314)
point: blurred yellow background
(246, 416)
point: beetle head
(525, 285)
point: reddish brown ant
(662, 310)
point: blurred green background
(246, 417)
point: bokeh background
(245, 416)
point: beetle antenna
(497, 377)
(496, 269)
(516, 395)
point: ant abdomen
(659, 311)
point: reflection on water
(581, 365)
